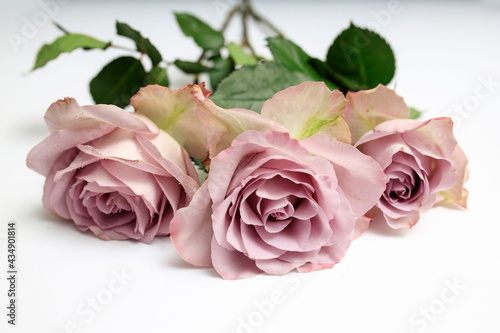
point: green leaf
(222, 68)
(240, 57)
(289, 54)
(361, 58)
(250, 86)
(414, 113)
(157, 75)
(118, 81)
(66, 43)
(293, 57)
(206, 37)
(200, 168)
(198, 162)
(191, 67)
(323, 71)
(142, 44)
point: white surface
(443, 52)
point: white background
(444, 51)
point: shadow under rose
(50, 220)
(43, 216)
(174, 261)
(62, 225)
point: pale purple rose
(284, 189)
(274, 204)
(111, 171)
(422, 163)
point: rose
(423, 163)
(421, 159)
(272, 203)
(111, 171)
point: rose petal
(407, 221)
(191, 229)
(232, 265)
(368, 108)
(67, 114)
(458, 194)
(382, 149)
(362, 224)
(307, 109)
(175, 112)
(224, 125)
(184, 172)
(246, 146)
(310, 267)
(296, 236)
(254, 246)
(164, 147)
(43, 156)
(55, 190)
(276, 266)
(360, 177)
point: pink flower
(272, 203)
(112, 172)
(368, 108)
(422, 163)
(175, 112)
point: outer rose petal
(366, 109)
(179, 166)
(363, 223)
(406, 222)
(223, 126)
(44, 155)
(191, 229)
(435, 137)
(54, 192)
(427, 141)
(307, 109)
(232, 265)
(67, 114)
(72, 124)
(272, 267)
(360, 176)
(458, 194)
(175, 112)
(309, 267)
